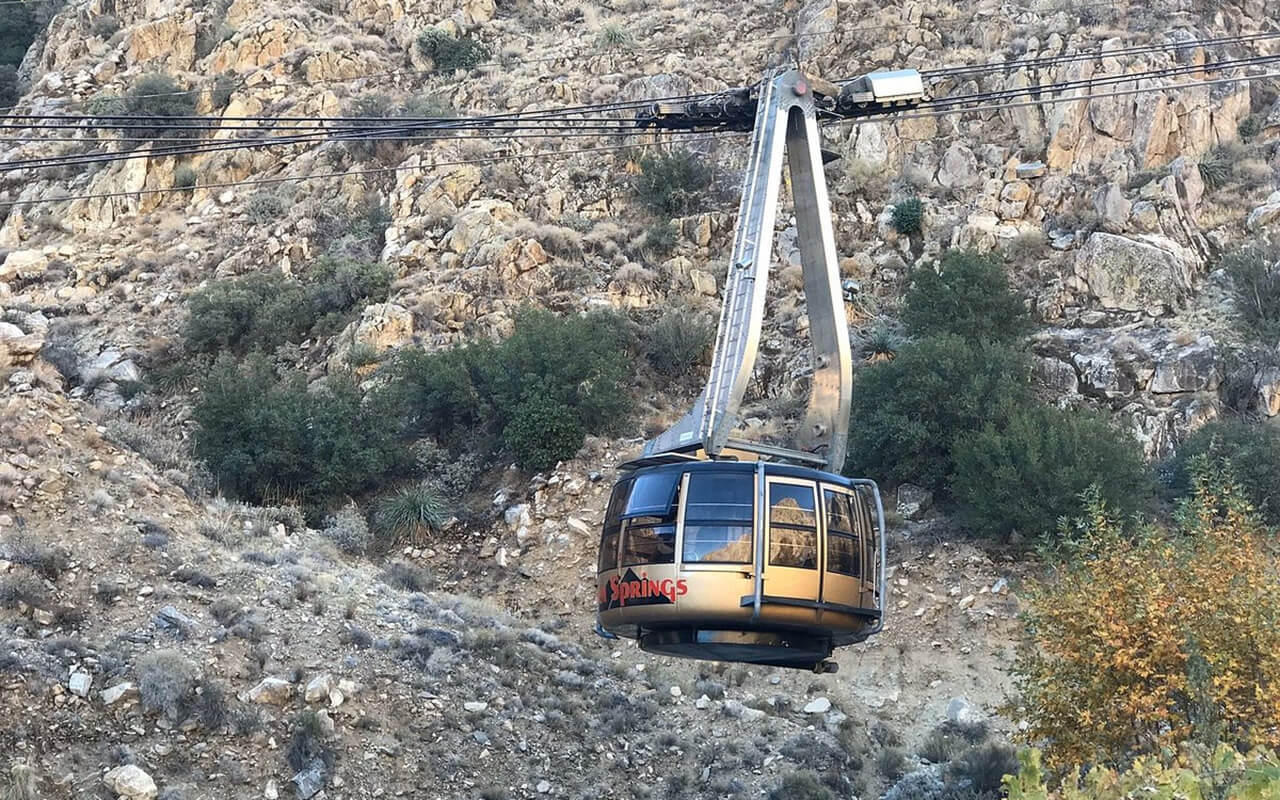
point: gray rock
(962, 712)
(1032, 169)
(80, 683)
(474, 706)
(1192, 368)
(920, 785)
(270, 691)
(818, 705)
(913, 501)
(543, 787)
(309, 782)
(114, 694)
(959, 168)
(1146, 273)
(1113, 207)
(171, 617)
(1266, 388)
(319, 687)
(131, 782)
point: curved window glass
(793, 526)
(613, 527)
(649, 522)
(844, 551)
(718, 518)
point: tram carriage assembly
(718, 548)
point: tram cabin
(887, 89)
(742, 561)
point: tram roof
(771, 468)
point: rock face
(271, 691)
(1148, 273)
(381, 327)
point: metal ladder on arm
(785, 128)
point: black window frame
(853, 534)
(817, 538)
(692, 521)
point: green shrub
(263, 437)
(984, 766)
(448, 52)
(672, 184)
(10, 94)
(1249, 128)
(908, 412)
(223, 87)
(348, 530)
(265, 310)
(166, 681)
(801, 786)
(542, 432)
(1254, 453)
(882, 342)
(184, 177)
(1256, 285)
(613, 36)
(20, 24)
(408, 516)
(1031, 470)
(968, 295)
(661, 238)
(908, 216)
(1216, 167)
(471, 394)
(157, 97)
(264, 207)
(680, 341)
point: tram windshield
(640, 523)
(717, 518)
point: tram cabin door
(792, 555)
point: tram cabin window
(844, 550)
(865, 521)
(718, 518)
(613, 526)
(793, 526)
(649, 520)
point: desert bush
(408, 515)
(263, 436)
(672, 184)
(223, 87)
(801, 786)
(348, 530)
(449, 53)
(265, 310)
(881, 343)
(984, 767)
(680, 341)
(264, 207)
(29, 550)
(450, 475)
(660, 239)
(1221, 773)
(10, 93)
(477, 391)
(966, 294)
(155, 98)
(1254, 451)
(184, 177)
(613, 36)
(17, 588)
(166, 681)
(1139, 643)
(1249, 128)
(907, 216)
(410, 578)
(1254, 270)
(542, 432)
(1216, 167)
(1024, 474)
(908, 412)
(307, 746)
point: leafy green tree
(263, 436)
(907, 413)
(1254, 450)
(672, 184)
(542, 432)
(1032, 469)
(966, 294)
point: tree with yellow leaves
(1142, 642)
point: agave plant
(409, 515)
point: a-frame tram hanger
(720, 548)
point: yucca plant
(409, 515)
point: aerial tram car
(715, 547)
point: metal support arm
(785, 125)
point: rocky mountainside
(157, 640)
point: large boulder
(381, 327)
(131, 782)
(1147, 273)
(959, 168)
